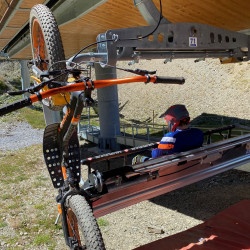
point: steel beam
(149, 12)
(68, 11)
(175, 40)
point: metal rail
(159, 176)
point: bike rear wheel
(47, 48)
(82, 224)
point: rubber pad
(52, 155)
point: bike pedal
(74, 160)
(52, 154)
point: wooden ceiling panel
(3, 42)
(109, 15)
(19, 19)
(27, 4)
(113, 14)
(23, 54)
(80, 41)
(3, 6)
(228, 14)
(8, 33)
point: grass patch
(52, 247)
(12, 241)
(42, 239)
(40, 206)
(47, 223)
(102, 222)
(40, 178)
(3, 86)
(7, 169)
(38, 184)
(3, 224)
(20, 178)
(5, 197)
(41, 181)
(16, 166)
(14, 206)
(34, 117)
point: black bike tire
(53, 42)
(86, 222)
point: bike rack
(128, 185)
(169, 41)
(167, 173)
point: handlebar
(80, 86)
(170, 80)
(15, 106)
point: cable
(75, 65)
(92, 44)
(113, 40)
(156, 27)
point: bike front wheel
(47, 49)
(82, 224)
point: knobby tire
(86, 225)
(46, 44)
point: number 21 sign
(192, 41)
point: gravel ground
(167, 214)
(18, 135)
(210, 88)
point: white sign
(192, 41)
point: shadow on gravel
(217, 120)
(206, 198)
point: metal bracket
(174, 40)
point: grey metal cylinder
(108, 109)
(50, 116)
(25, 76)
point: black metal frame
(161, 175)
(117, 188)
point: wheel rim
(39, 46)
(43, 59)
(73, 228)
